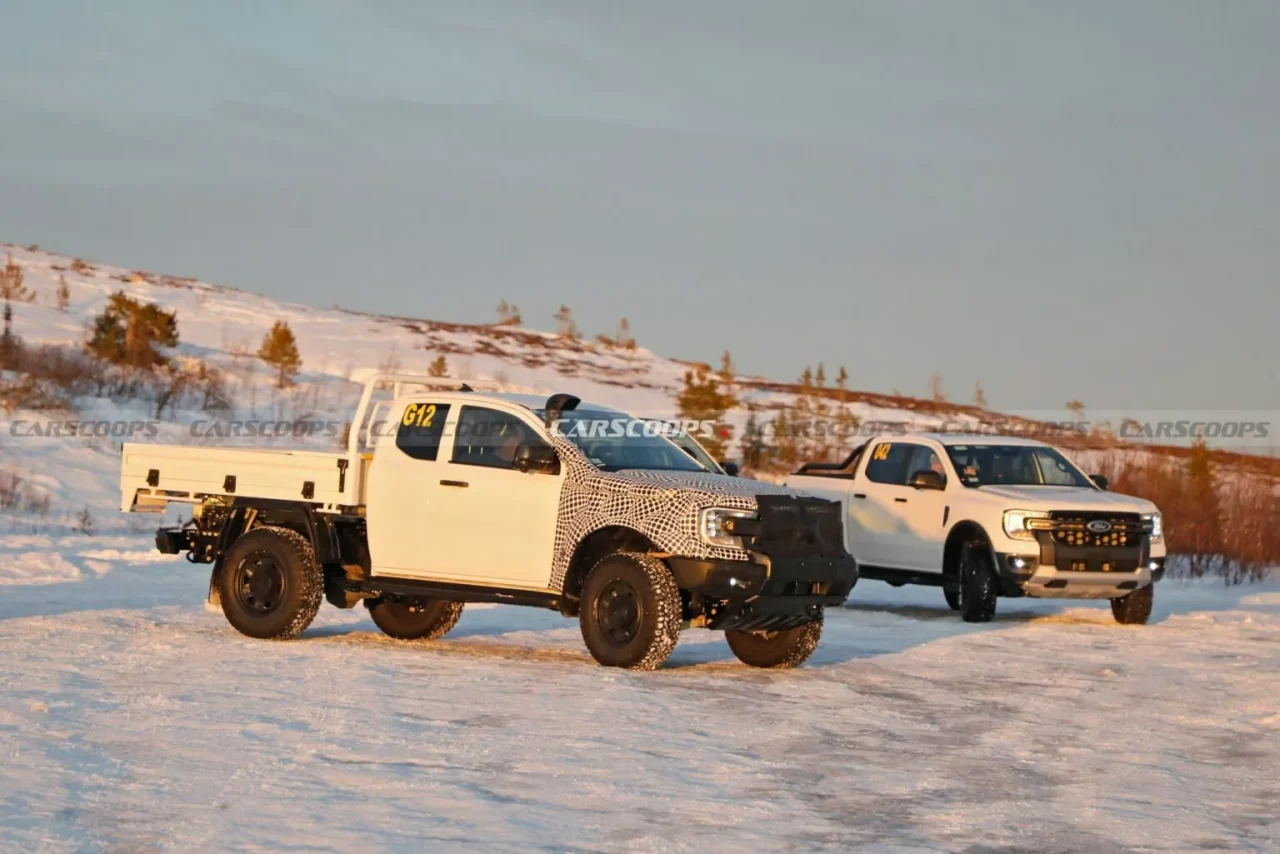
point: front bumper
(764, 592)
(1069, 574)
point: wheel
(414, 619)
(1135, 608)
(270, 585)
(631, 611)
(951, 592)
(978, 590)
(781, 649)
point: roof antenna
(466, 387)
(557, 404)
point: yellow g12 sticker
(419, 415)
(882, 452)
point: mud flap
(213, 602)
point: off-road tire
(414, 619)
(951, 592)
(780, 649)
(1134, 609)
(631, 611)
(978, 585)
(269, 584)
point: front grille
(795, 526)
(1076, 528)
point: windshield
(1014, 465)
(614, 441)
(690, 446)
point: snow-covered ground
(131, 719)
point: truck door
(404, 487)
(498, 524)
(877, 508)
(925, 512)
(897, 525)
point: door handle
(454, 483)
(859, 495)
(900, 501)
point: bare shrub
(18, 495)
(1224, 523)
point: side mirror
(928, 479)
(730, 468)
(1100, 480)
(536, 459)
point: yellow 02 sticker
(882, 452)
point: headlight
(711, 526)
(1156, 520)
(1015, 523)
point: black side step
(900, 576)
(453, 592)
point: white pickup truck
(988, 516)
(468, 494)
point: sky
(1062, 201)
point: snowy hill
(221, 328)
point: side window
(421, 426)
(924, 459)
(487, 437)
(888, 463)
(1052, 472)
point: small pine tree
(280, 350)
(623, 338)
(786, 446)
(754, 449)
(11, 286)
(13, 290)
(820, 376)
(127, 332)
(701, 399)
(84, 522)
(727, 369)
(935, 388)
(8, 342)
(508, 314)
(979, 396)
(439, 367)
(1201, 533)
(842, 378)
(63, 293)
(565, 324)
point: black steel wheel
(631, 611)
(414, 619)
(782, 648)
(269, 583)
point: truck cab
(989, 516)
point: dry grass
(1224, 521)
(17, 495)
